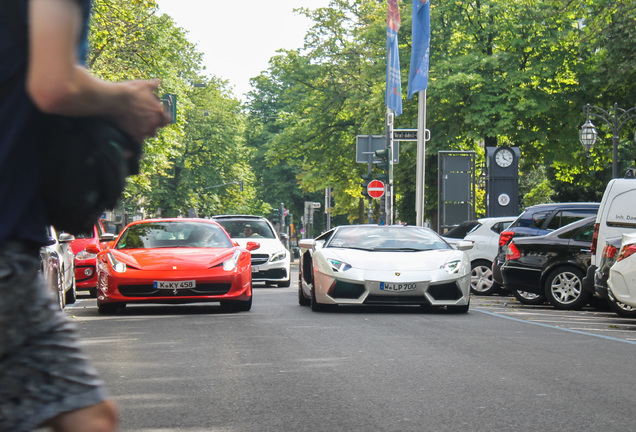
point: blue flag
(393, 98)
(421, 38)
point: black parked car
(552, 265)
(539, 220)
(608, 258)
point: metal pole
(421, 158)
(388, 200)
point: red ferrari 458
(174, 261)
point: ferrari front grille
(201, 290)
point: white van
(616, 216)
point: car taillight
(609, 251)
(626, 251)
(505, 237)
(595, 239)
(512, 252)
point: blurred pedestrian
(45, 379)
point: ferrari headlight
(118, 266)
(339, 266)
(83, 255)
(278, 256)
(452, 267)
(231, 264)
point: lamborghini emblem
(397, 274)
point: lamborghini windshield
(386, 238)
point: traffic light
(276, 214)
(383, 156)
(366, 179)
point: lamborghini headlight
(339, 266)
(279, 256)
(452, 267)
(118, 266)
(231, 264)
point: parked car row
(565, 253)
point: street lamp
(588, 134)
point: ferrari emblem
(397, 274)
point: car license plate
(397, 287)
(175, 284)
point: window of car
(237, 228)
(566, 217)
(500, 226)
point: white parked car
(271, 263)
(383, 265)
(622, 275)
(485, 238)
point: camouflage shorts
(42, 370)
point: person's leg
(44, 374)
(102, 417)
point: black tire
(237, 305)
(302, 300)
(619, 308)
(110, 308)
(59, 289)
(93, 292)
(481, 279)
(315, 306)
(458, 309)
(71, 295)
(529, 299)
(284, 284)
(564, 289)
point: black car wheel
(619, 308)
(481, 280)
(71, 295)
(529, 299)
(110, 308)
(237, 305)
(302, 300)
(315, 306)
(564, 289)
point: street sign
(367, 145)
(375, 189)
(315, 205)
(404, 134)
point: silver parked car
(57, 265)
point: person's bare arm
(57, 84)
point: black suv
(538, 220)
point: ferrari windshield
(386, 238)
(165, 234)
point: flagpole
(420, 192)
(388, 199)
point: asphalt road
(282, 367)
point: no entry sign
(375, 189)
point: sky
(237, 38)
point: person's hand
(142, 114)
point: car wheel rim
(528, 296)
(621, 305)
(481, 279)
(566, 288)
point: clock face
(503, 199)
(504, 158)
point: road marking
(555, 327)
